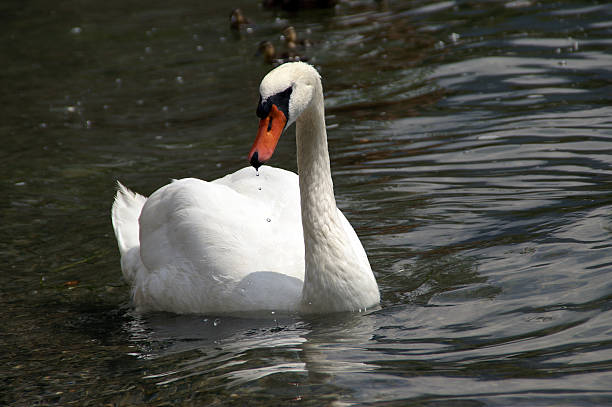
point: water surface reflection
(470, 148)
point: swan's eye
(281, 100)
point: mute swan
(259, 239)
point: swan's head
(285, 92)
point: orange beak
(270, 129)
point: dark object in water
(238, 20)
(267, 49)
(295, 5)
(292, 42)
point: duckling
(238, 21)
(271, 57)
(269, 52)
(291, 40)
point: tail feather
(125, 213)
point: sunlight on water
(471, 149)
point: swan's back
(227, 245)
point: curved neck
(316, 185)
(337, 274)
(324, 236)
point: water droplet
(105, 107)
(165, 108)
(140, 102)
(71, 109)
(216, 322)
(273, 312)
(199, 48)
(88, 124)
(268, 220)
(75, 30)
(205, 320)
(43, 125)
(179, 79)
(257, 173)
(148, 50)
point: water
(471, 148)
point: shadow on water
(470, 148)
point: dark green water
(471, 147)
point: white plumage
(252, 240)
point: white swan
(257, 239)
